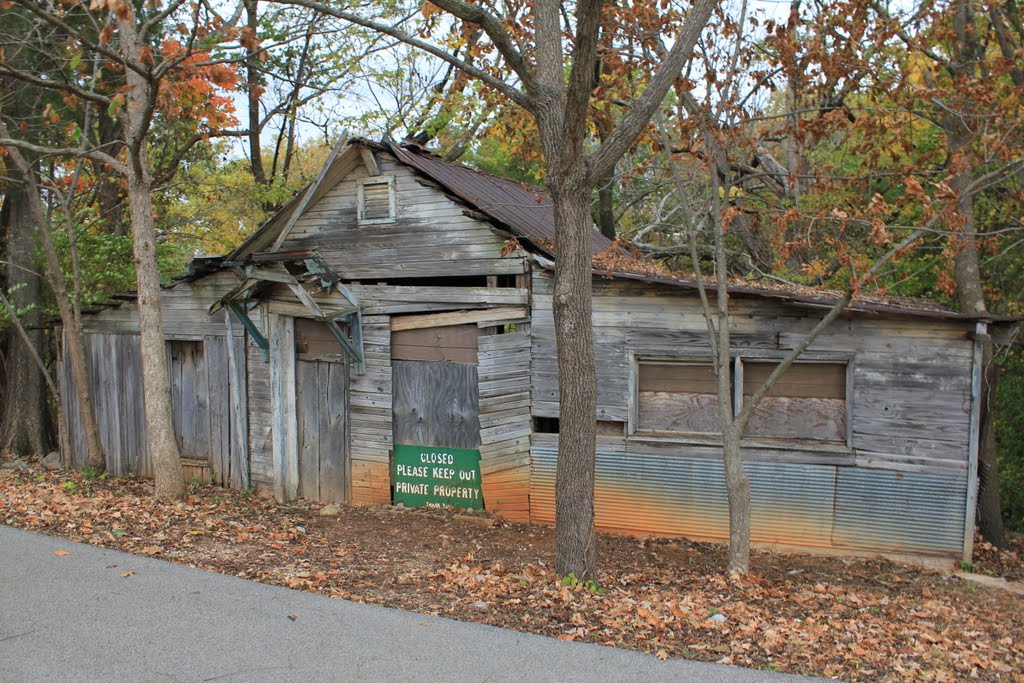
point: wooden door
(190, 397)
(321, 397)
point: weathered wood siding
(431, 236)
(370, 416)
(505, 424)
(321, 395)
(908, 409)
(205, 425)
(184, 306)
(261, 426)
(115, 371)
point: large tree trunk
(990, 518)
(69, 317)
(576, 542)
(161, 443)
(23, 422)
(970, 296)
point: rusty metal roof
(526, 211)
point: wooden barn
(388, 337)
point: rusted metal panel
(678, 495)
(899, 511)
(792, 503)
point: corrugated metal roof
(525, 210)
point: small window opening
(377, 200)
(545, 425)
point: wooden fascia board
(485, 315)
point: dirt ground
(846, 618)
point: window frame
(634, 430)
(388, 180)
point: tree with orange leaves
(108, 72)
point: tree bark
(69, 318)
(970, 296)
(23, 423)
(252, 89)
(161, 442)
(576, 540)
(990, 517)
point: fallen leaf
(151, 549)
(662, 655)
(125, 575)
(62, 553)
(293, 617)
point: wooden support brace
(250, 327)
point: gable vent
(377, 200)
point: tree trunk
(990, 517)
(606, 205)
(253, 90)
(737, 485)
(69, 318)
(24, 421)
(971, 297)
(160, 439)
(576, 541)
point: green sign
(431, 476)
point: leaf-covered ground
(852, 619)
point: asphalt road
(77, 617)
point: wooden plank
(414, 322)
(307, 399)
(334, 452)
(284, 437)
(436, 404)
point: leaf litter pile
(852, 619)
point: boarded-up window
(677, 397)
(377, 200)
(808, 401)
(314, 341)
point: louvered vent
(376, 201)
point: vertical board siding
(261, 458)
(505, 424)
(321, 389)
(115, 381)
(370, 416)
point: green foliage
(69, 487)
(1009, 425)
(572, 583)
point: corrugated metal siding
(797, 504)
(900, 511)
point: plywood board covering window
(808, 401)
(377, 200)
(677, 397)
(453, 344)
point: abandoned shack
(402, 306)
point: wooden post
(238, 396)
(285, 442)
(977, 371)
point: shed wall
(899, 485)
